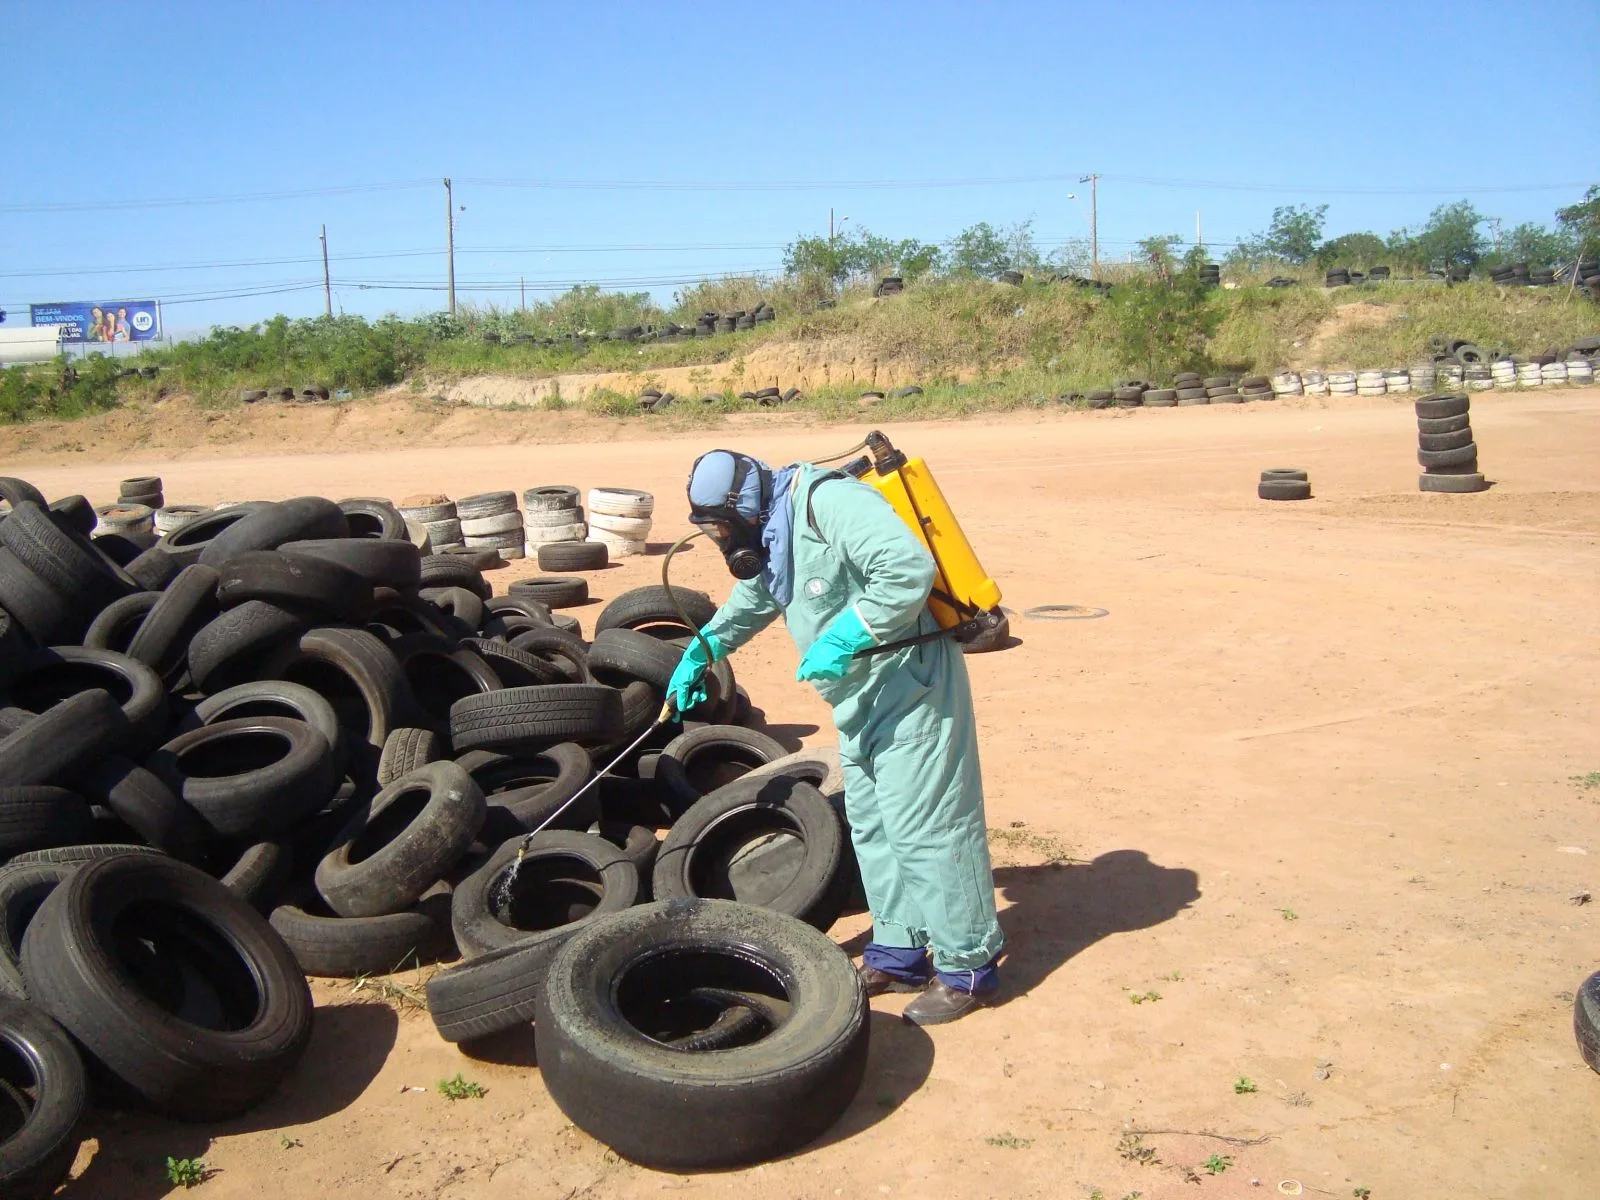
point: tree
(1293, 235)
(1450, 238)
(1581, 222)
(827, 257)
(859, 253)
(982, 249)
(1532, 242)
(1163, 324)
(1352, 249)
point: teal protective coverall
(908, 740)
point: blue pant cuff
(903, 962)
(983, 980)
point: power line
(780, 185)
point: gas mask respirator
(725, 517)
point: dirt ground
(1314, 781)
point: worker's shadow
(1057, 911)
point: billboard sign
(115, 321)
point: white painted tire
(494, 541)
(503, 522)
(176, 516)
(621, 502)
(543, 535)
(444, 533)
(632, 528)
(618, 547)
(548, 518)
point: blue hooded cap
(725, 486)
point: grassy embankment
(973, 345)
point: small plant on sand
(1132, 1148)
(1142, 997)
(461, 1088)
(1591, 780)
(1217, 1164)
(1243, 1086)
(186, 1172)
(1288, 914)
(1010, 1141)
(1362, 1193)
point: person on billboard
(96, 331)
(121, 332)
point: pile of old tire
(491, 521)
(436, 514)
(1337, 277)
(1211, 274)
(1255, 387)
(1189, 389)
(1220, 389)
(1586, 1020)
(1284, 483)
(552, 521)
(1445, 448)
(1129, 393)
(620, 518)
(142, 489)
(889, 285)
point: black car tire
(176, 1058)
(684, 759)
(251, 777)
(564, 879)
(656, 1104)
(417, 829)
(37, 1150)
(739, 843)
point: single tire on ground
(619, 993)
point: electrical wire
(66, 206)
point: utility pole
(327, 288)
(830, 225)
(450, 240)
(1495, 222)
(523, 284)
(1199, 237)
(1094, 223)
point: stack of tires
(1255, 387)
(142, 489)
(1342, 383)
(1190, 389)
(1288, 383)
(129, 519)
(1314, 382)
(1422, 375)
(619, 519)
(552, 516)
(1449, 374)
(1370, 383)
(1220, 389)
(1503, 372)
(1529, 374)
(1129, 393)
(1378, 274)
(1553, 374)
(1510, 275)
(1337, 277)
(1479, 378)
(889, 285)
(1284, 483)
(1160, 398)
(1396, 381)
(1445, 448)
(1580, 368)
(437, 515)
(1211, 274)
(491, 521)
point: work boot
(941, 1003)
(875, 982)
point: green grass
(1243, 1086)
(187, 1172)
(461, 1088)
(1009, 1141)
(1591, 780)
(1217, 1164)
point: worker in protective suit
(830, 555)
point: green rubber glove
(830, 655)
(687, 689)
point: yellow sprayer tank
(909, 486)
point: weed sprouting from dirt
(1144, 997)
(1288, 914)
(187, 1172)
(1587, 782)
(462, 1088)
(285, 1142)
(1131, 1147)
(1055, 851)
(1009, 1141)
(1243, 1086)
(1217, 1164)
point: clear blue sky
(110, 103)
